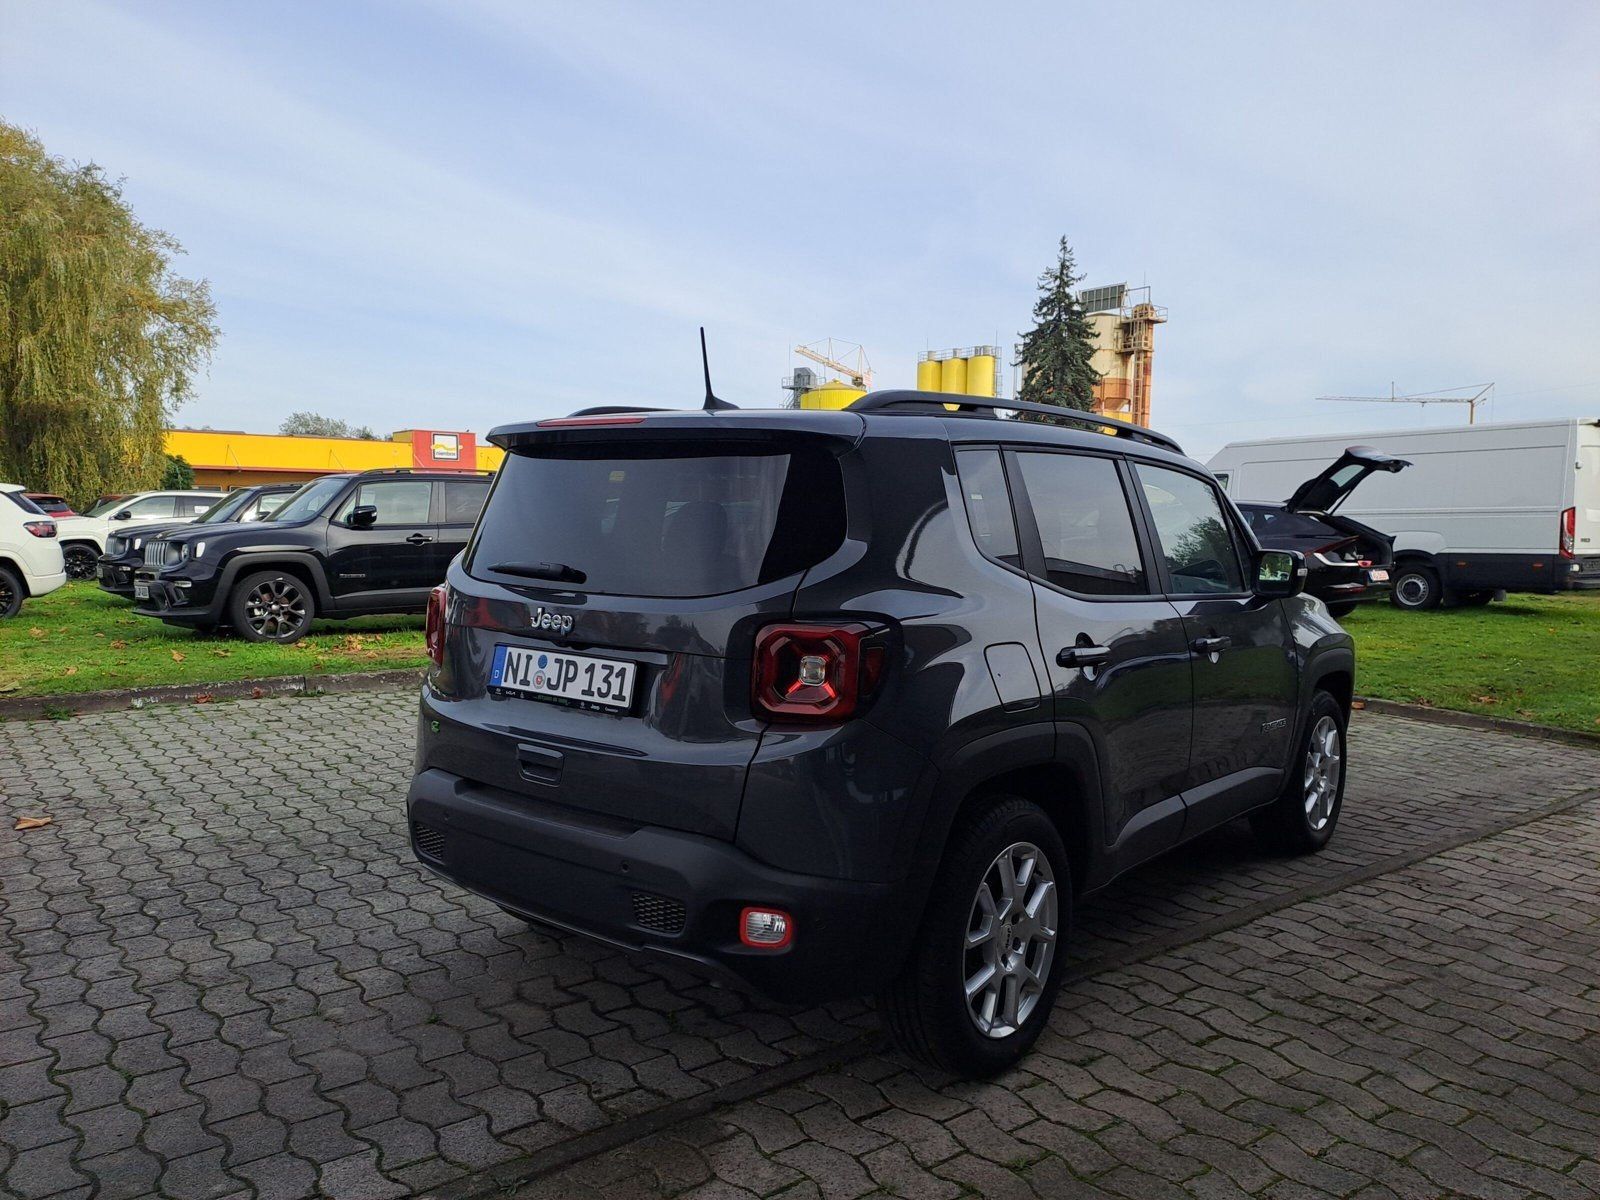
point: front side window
(153, 506)
(1085, 525)
(983, 487)
(398, 501)
(1193, 533)
(226, 509)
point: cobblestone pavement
(221, 975)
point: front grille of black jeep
(658, 913)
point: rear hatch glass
(660, 520)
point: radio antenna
(713, 402)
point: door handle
(1210, 645)
(419, 539)
(1083, 656)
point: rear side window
(983, 487)
(1193, 532)
(26, 505)
(463, 500)
(1085, 524)
(663, 519)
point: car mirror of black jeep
(1280, 573)
(363, 516)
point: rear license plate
(1378, 575)
(141, 591)
(575, 679)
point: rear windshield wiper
(559, 572)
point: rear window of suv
(662, 519)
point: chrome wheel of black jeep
(1324, 772)
(271, 607)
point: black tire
(11, 593)
(1298, 822)
(80, 560)
(926, 1009)
(1416, 588)
(271, 606)
(1341, 611)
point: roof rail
(933, 403)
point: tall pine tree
(1055, 353)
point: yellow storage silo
(929, 371)
(833, 394)
(953, 375)
(980, 372)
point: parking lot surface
(221, 974)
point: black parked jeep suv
(125, 551)
(863, 702)
(344, 545)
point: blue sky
(458, 213)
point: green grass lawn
(1530, 658)
(80, 639)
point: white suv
(30, 553)
(83, 539)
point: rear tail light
(433, 631)
(1569, 533)
(816, 674)
(765, 928)
(40, 528)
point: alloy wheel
(1010, 940)
(276, 608)
(8, 595)
(1324, 769)
(80, 562)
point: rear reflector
(765, 928)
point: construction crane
(847, 358)
(1481, 393)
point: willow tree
(99, 338)
(1055, 354)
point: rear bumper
(657, 892)
(43, 585)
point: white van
(1513, 506)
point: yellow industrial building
(230, 459)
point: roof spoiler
(935, 404)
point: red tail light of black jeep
(817, 674)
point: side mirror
(1280, 573)
(124, 515)
(363, 516)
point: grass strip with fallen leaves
(80, 639)
(1529, 658)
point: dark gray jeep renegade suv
(863, 702)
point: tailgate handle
(540, 764)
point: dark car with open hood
(863, 702)
(1346, 562)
